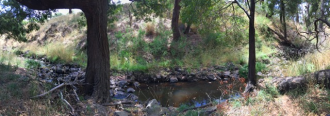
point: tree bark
(98, 66)
(282, 5)
(175, 20)
(252, 52)
(186, 31)
(307, 18)
(321, 34)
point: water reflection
(190, 93)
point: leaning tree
(98, 67)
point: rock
(152, 103)
(122, 83)
(173, 80)
(211, 77)
(130, 90)
(182, 78)
(121, 113)
(209, 110)
(136, 84)
(120, 94)
(153, 108)
(323, 77)
(112, 86)
(226, 74)
(289, 83)
(112, 82)
(132, 97)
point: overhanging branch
(247, 14)
(52, 4)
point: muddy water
(190, 93)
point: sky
(66, 11)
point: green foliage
(146, 8)
(12, 17)
(191, 10)
(32, 64)
(243, 71)
(158, 47)
(311, 106)
(14, 89)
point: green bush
(244, 70)
(32, 64)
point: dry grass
(309, 63)
(150, 29)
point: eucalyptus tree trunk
(282, 14)
(252, 51)
(322, 33)
(98, 68)
(98, 64)
(175, 20)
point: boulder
(323, 77)
(153, 108)
(173, 80)
(289, 83)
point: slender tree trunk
(321, 34)
(282, 5)
(307, 19)
(186, 31)
(98, 66)
(252, 52)
(297, 16)
(175, 20)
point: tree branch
(317, 32)
(52, 4)
(248, 15)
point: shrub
(243, 71)
(150, 29)
(32, 64)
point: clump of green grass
(32, 64)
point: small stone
(136, 84)
(130, 90)
(121, 113)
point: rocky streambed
(174, 86)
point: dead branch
(53, 89)
(57, 87)
(203, 106)
(317, 32)
(65, 101)
(118, 103)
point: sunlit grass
(308, 64)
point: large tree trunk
(98, 66)
(252, 51)
(175, 20)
